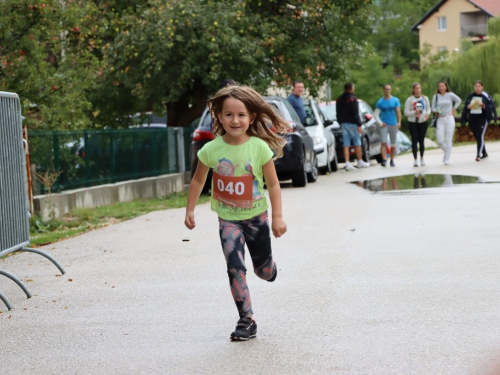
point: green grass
(83, 220)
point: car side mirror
(368, 116)
(328, 123)
(309, 121)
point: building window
(442, 49)
(441, 23)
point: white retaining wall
(57, 205)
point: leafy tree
(390, 32)
(370, 77)
(175, 53)
(46, 58)
(479, 63)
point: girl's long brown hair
(255, 104)
(413, 88)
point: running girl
(241, 156)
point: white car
(318, 128)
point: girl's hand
(278, 227)
(426, 117)
(189, 220)
(470, 106)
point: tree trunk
(180, 113)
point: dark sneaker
(245, 329)
(275, 273)
(392, 163)
(382, 163)
(485, 155)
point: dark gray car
(370, 141)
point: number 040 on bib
(233, 191)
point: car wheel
(327, 168)
(313, 175)
(366, 150)
(299, 177)
(334, 165)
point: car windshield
(330, 111)
(310, 118)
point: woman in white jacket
(418, 109)
(445, 104)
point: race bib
(233, 191)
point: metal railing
(94, 157)
(470, 31)
(14, 214)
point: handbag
(435, 119)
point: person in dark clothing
(478, 112)
(351, 125)
(295, 100)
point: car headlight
(316, 140)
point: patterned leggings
(255, 233)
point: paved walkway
(368, 284)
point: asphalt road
(368, 283)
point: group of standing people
(478, 112)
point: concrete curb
(57, 205)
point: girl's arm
(278, 226)
(195, 189)
(427, 107)
(409, 112)
(456, 99)
(434, 106)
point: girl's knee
(266, 273)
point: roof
(490, 7)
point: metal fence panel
(14, 217)
(96, 157)
(14, 203)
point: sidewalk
(367, 284)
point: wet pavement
(415, 181)
(367, 284)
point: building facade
(448, 22)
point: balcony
(474, 31)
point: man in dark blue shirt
(295, 100)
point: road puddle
(416, 181)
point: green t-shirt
(238, 179)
